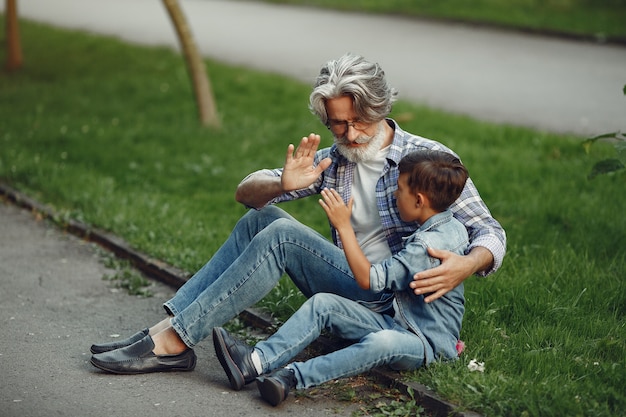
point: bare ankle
(167, 342)
(160, 326)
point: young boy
(406, 333)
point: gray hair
(351, 75)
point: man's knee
(270, 212)
(282, 228)
(256, 220)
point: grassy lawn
(107, 133)
(601, 20)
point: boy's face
(406, 200)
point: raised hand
(299, 171)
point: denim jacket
(437, 323)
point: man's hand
(441, 279)
(299, 171)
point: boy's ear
(420, 200)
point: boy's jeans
(263, 245)
(380, 341)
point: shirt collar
(397, 145)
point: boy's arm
(339, 215)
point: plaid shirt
(469, 209)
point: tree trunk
(14, 49)
(201, 85)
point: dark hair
(440, 175)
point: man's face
(356, 140)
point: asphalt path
(542, 82)
(54, 304)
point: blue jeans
(263, 246)
(380, 341)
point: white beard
(362, 153)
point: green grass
(601, 20)
(107, 133)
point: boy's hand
(337, 211)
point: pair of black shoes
(236, 359)
(135, 356)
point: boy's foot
(274, 387)
(235, 357)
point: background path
(546, 83)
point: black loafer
(138, 358)
(107, 347)
(235, 357)
(274, 387)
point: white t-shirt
(365, 217)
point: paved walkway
(54, 304)
(546, 83)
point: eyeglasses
(340, 127)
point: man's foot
(139, 358)
(235, 357)
(274, 387)
(107, 347)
